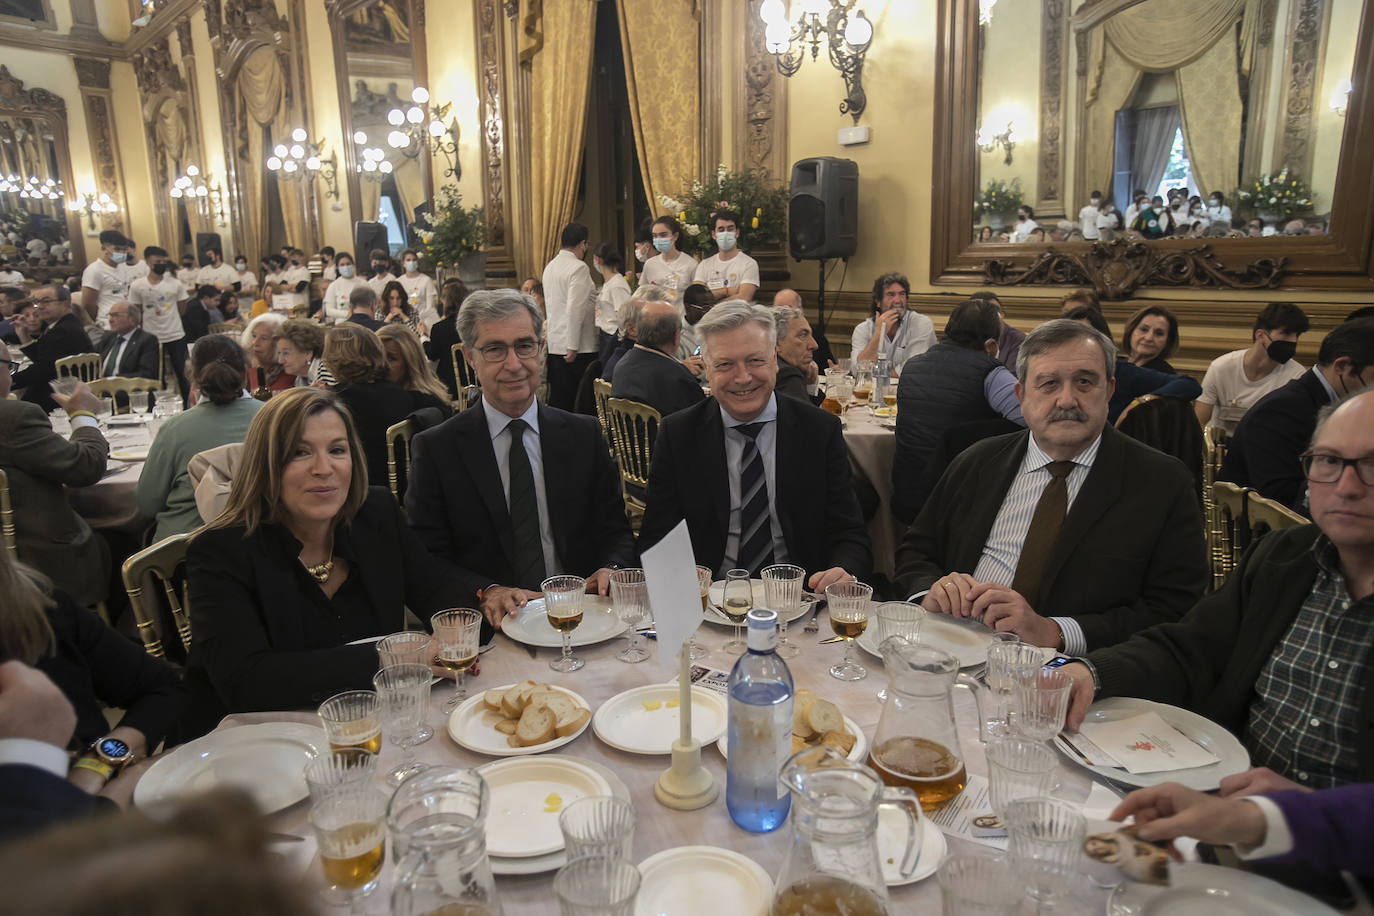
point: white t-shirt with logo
(161, 317)
(11, 278)
(221, 278)
(1231, 394)
(111, 283)
(137, 270)
(674, 277)
(717, 273)
(288, 282)
(423, 295)
(1087, 221)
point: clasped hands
(998, 606)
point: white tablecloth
(109, 502)
(871, 447)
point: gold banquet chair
(1229, 534)
(634, 427)
(601, 389)
(7, 517)
(464, 379)
(160, 561)
(1264, 515)
(85, 366)
(113, 387)
(398, 440)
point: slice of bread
(841, 741)
(537, 725)
(511, 707)
(506, 726)
(564, 728)
(561, 705)
(823, 716)
(492, 699)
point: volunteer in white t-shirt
(105, 280)
(1217, 211)
(1025, 225)
(162, 297)
(1236, 380)
(381, 271)
(9, 276)
(216, 273)
(419, 289)
(334, 307)
(729, 273)
(247, 283)
(293, 287)
(671, 268)
(137, 268)
(188, 273)
(1087, 217)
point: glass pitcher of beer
(916, 745)
(437, 822)
(832, 863)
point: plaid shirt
(1304, 718)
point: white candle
(684, 686)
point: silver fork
(811, 625)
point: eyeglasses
(497, 353)
(1321, 468)
(46, 301)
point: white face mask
(641, 255)
(411, 266)
(725, 240)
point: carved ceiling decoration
(156, 71)
(14, 95)
(92, 72)
(1116, 269)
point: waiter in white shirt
(570, 300)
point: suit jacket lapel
(474, 441)
(1100, 491)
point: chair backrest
(112, 387)
(7, 517)
(1228, 533)
(85, 366)
(398, 439)
(462, 372)
(1169, 425)
(160, 561)
(634, 427)
(1265, 515)
(602, 390)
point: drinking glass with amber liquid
(350, 828)
(457, 632)
(563, 599)
(737, 600)
(848, 607)
(353, 719)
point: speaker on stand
(367, 236)
(206, 240)
(823, 215)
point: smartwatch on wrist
(113, 752)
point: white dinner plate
(266, 760)
(691, 880)
(128, 419)
(131, 453)
(1232, 756)
(1212, 890)
(856, 753)
(531, 624)
(473, 726)
(640, 720)
(963, 637)
(527, 795)
(716, 594)
(892, 843)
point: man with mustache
(1069, 534)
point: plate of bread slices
(527, 717)
(818, 722)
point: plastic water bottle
(760, 730)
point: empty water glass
(1041, 700)
(1046, 846)
(1008, 664)
(404, 694)
(1018, 768)
(406, 648)
(600, 825)
(630, 597)
(597, 886)
(979, 885)
(782, 591)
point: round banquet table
(660, 828)
(871, 447)
(110, 502)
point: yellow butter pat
(552, 803)
(651, 705)
(671, 704)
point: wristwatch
(113, 752)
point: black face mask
(1281, 351)
(159, 268)
(187, 266)
(378, 267)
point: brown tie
(1044, 528)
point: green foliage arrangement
(762, 205)
(999, 197)
(451, 231)
(1281, 192)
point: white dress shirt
(613, 292)
(766, 441)
(500, 445)
(35, 753)
(915, 335)
(570, 300)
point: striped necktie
(755, 519)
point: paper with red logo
(1147, 744)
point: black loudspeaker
(367, 236)
(206, 240)
(823, 209)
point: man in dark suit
(1069, 517)
(797, 370)
(514, 491)
(64, 336)
(650, 373)
(128, 351)
(759, 479)
(1263, 453)
(362, 307)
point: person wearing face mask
(328, 269)
(335, 305)
(381, 271)
(1236, 381)
(1025, 224)
(245, 283)
(1217, 211)
(644, 250)
(188, 273)
(295, 282)
(729, 273)
(216, 273)
(105, 280)
(570, 298)
(1278, 429)
(670, 268)
(614, 291)
(137, 268)
(1087, 217)
(162, 297)
(420, 289)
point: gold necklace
(323, 571)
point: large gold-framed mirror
(1211, 108)
(379, 60)
(36, 177)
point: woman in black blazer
(305, 559)
(444, 334)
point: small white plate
(524, 813)
(1212, 890)
(552, 861)
(691, 880)
(473, 726)
(266, 760)
(131, 453)
(963, 637)
(128, 419)
(531, 624)
(892, 843)
(1233, 758)
(626, 723)
(856, 753)
(716, 594)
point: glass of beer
(847, 604)
(457, 632)
(353, 719)
(563, 597)
(404, 694)
(337, 770)
(350, 829)
(736, 602)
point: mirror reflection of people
(1088, 214)
(1025, 224)
(1217, 211)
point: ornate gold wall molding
(1309, 22)
(491, 90)
(762, 98)
(1054, 83)
(93, 76)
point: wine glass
(404, 694)
(848, 610)
(457, 632)
(736, 602)
(409, 647)
(630, 597)
(353, 719)
(350, 829)
(563, 596)
(696, 650)
(782, 590)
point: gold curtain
(560, 78)
(659, 38)
(409, 187)
(371, 193)
(1114, 82)
(259, 96)
(1164, 35)
(262, 87)
(1209, 104)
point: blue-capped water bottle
(760, 730)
